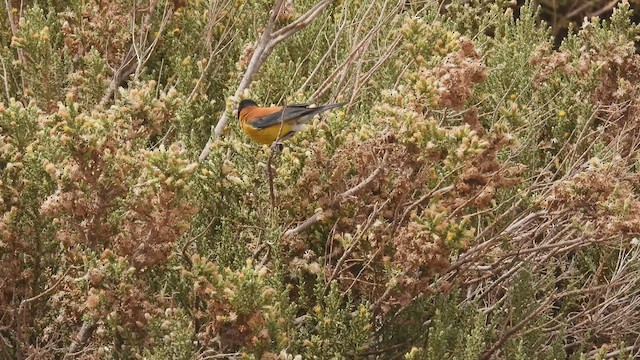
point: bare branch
(513, 330)
(375, 306)
(306, 224)
(326, 55)
(360, 233)
(14, 32)
(5, 79)
(343, 196)
(80, 339)
(366, 181)
(595, 354)
(300, 23)
(358, 48)
(126, 68)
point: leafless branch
(360, 233)
(306, 224)
(533, 314)
(14, 32)
(366, 181)
(216, 12)
(213, 354)
(85, 332)
(595, 354)
(5, 78)
(376, 306)
(360, 47)
(586, 5)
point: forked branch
(139, 51)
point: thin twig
(594, 354)
(22, 309)
(272, 194)
(366, 181)
(513, 330)
(14, 32)
(359, 235)
(5, 79)
(129, 64)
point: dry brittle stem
(516, 328)
(359, 48)
(5, 78)
(270, 175)
(139, 52)
(359, 235)
(215, 11)
(363, 80)
(14, 32)
(341, 197)
(324, 58)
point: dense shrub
(476, 198)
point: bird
(274, 124)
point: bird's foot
(276, 148)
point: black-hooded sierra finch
(267, 125)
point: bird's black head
(245, 103)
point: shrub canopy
(476, 198)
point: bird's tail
(323, 108)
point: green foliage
(455, 333)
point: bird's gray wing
(286, 114)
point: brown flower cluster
(603, 199)
(104, 26)
(151, 227)
(617, 95)
(550, 63)
(397, 219)
(104, 173)
(395, 197)
(457, 75)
